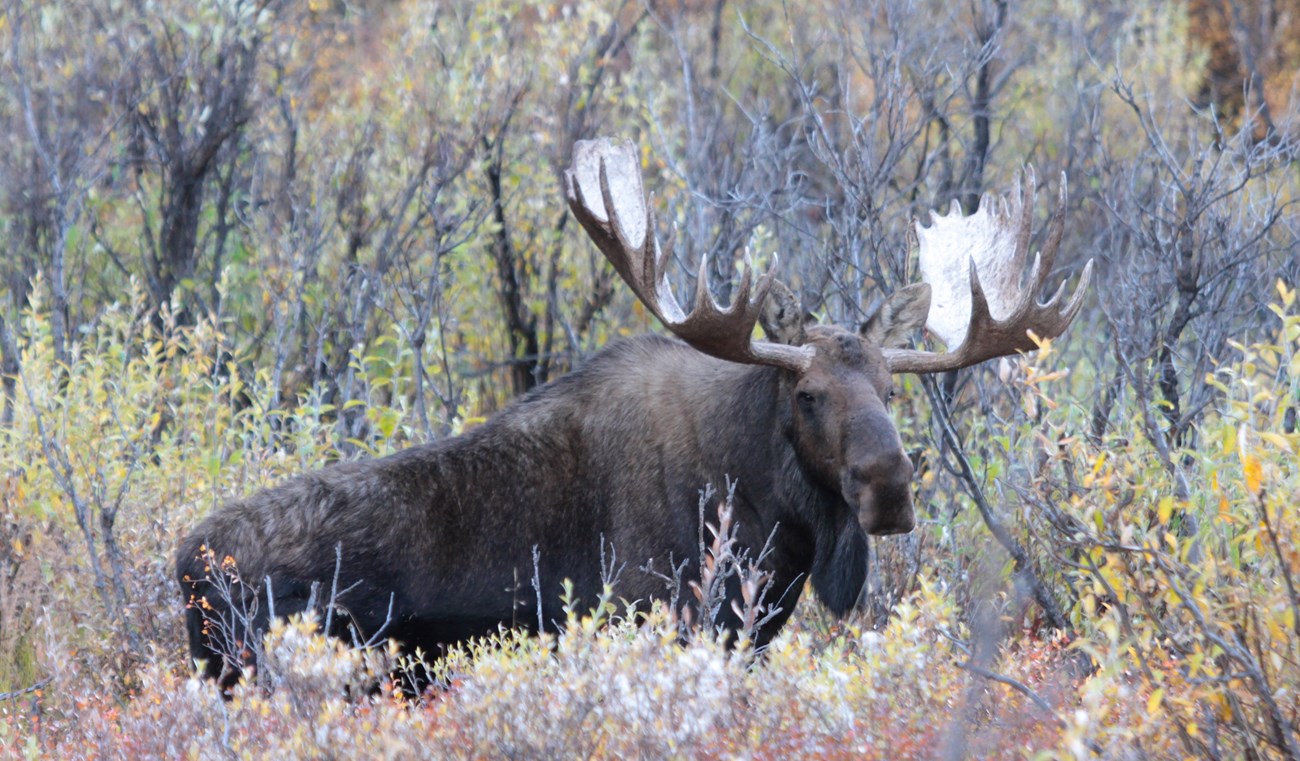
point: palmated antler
(604, 190)
(974, 266)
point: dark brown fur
(616, 452)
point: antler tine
(975, 266)
(637, 256)
(752, 303)
(703, 296)
(1076, 301)
(979, 303)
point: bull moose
(429, 546)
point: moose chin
(435, 544)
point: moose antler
(603, 187)
(974, 266)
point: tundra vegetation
(243, 239)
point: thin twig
(25, 690)
(1282, 565)
(537, 588)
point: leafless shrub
(732, 593)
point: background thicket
(243, 238)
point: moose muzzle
(881, 488)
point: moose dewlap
(439, 543)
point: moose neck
(743, 426)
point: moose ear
(902, 313)
(782, 316)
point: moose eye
(806, 399)
(890, 396)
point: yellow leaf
(1165, 510)
(1254, 473)
(1287, 294)
(1249, 463)
(1225, 510)
(1048, 377)
(1153, 702)
(1044, 344)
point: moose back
(439, 543)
